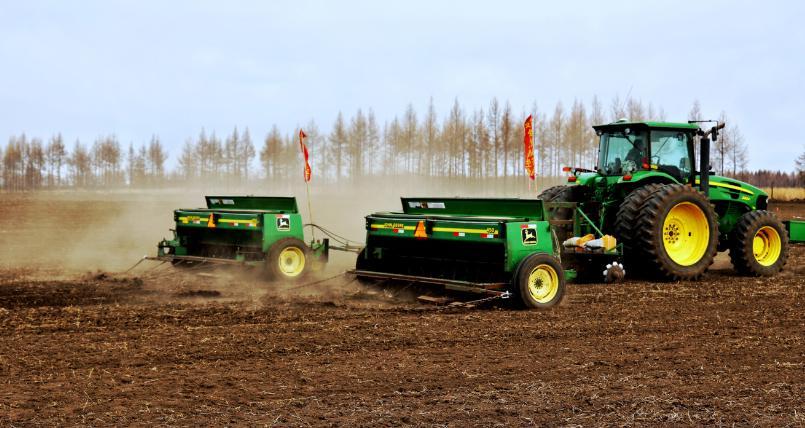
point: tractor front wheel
(676, 233)
(288, 260)
(758, 244)
(539, 282)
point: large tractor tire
(758, 244)
(676, 233)
(539, 282)
(288, 260)
(625, 221)
(561, 193)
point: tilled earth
(167, 348)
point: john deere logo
(529, 234)
(283, 223)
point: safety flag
(528, 142)
(302, 136)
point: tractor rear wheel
(539, 282)
(625, 223)
(758, 244)
(288, 260)
(676, 233)
(561, 193)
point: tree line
(485, 142)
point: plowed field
(174, 348)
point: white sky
(134, 68)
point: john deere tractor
(671, 218)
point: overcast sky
(134, 68)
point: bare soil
(188, 348)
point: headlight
(166, 250)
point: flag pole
(306, 177)
(310, 210)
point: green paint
(243, 228)
(796, 231)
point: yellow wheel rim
(291, 261)
(767, 246)
(685, 234)
(543, 283)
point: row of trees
(482, 143)
(31, 164)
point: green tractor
(670, 218)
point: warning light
(571, 179)
(420, 230)
(211, 222)
(566, 168)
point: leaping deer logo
(529, 236)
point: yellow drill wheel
(291, 261)
(543, 283)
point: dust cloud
(79, 232)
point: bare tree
(430, 134)
(696, 114)
(270, 154)
(410, 135)
(737, 155)
(506, 136)
(155, 161)
(55, 158)
(493, 121)
(188, 161)
(80, 163)
(338, 146)
(247, 153)
(358, 136)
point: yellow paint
(489, 230)
(767, 246)
(685, 234)
(237, 221)
(728, 186)
(391, 226)
(543, 283)
(291, 261)
(188, 219)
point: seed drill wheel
(288, 260)
(362, 263)
(539, 282)
(676, 233)
(758, 244)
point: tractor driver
(637, 152)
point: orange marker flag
(528, 143)
(302, 136)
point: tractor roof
(657, 125)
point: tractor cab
(626, 148)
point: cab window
(669, 153)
